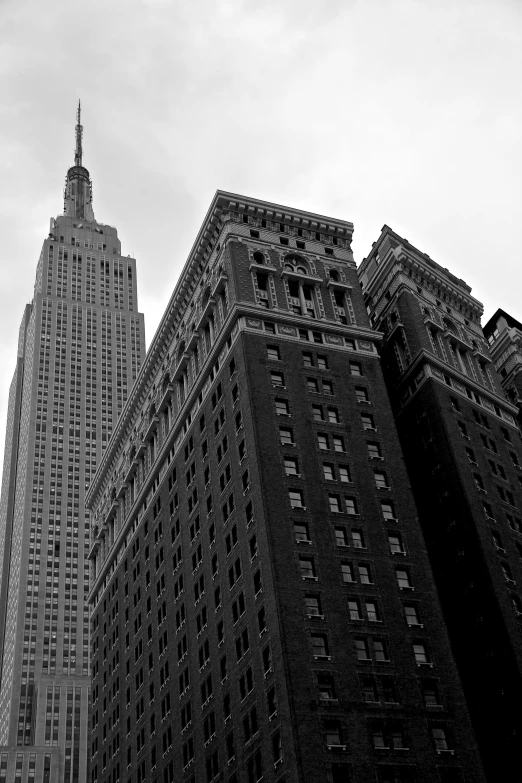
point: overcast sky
(405, 112)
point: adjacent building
(263, 606)
(80, 349)
(464, 459)
(504, 336)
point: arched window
(334, 275)
(296, 263)
(259, 257)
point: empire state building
(80, 347)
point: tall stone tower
(263, 607)
(464, 459)
(80, 349)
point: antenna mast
(79, 133)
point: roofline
(489, 327)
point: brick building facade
(464, 458)
(262, 602)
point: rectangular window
(301, 532)
(307, 568)
(381, 480)
(328, 471)
(367, 421)
(351, 506)
(286, 436)
(317, 413)
(277, 378)
(273, 352)
(347, 572)
(338, 442)
(388, 509)
(296, 498)
(282, 407)
(291, 466)
(335, 504)
(403, 579)
(319, 645)
(312, 385)
(322, 442)
(361, 394)
(333, 416)
(355, 368)
(322, 362)
(308, 359)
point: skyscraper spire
(78, 185)
(79, 134)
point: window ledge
(322, 657)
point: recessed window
(351, 505)
(277, 378)
(308, 360)
(365, 574)
(344, 474)
(403, 579)
(322, 442)
(282, 408)
(341, 539)
(358, 539)
(381, 480)
(307, 567)
(333, 416)
(313, 605)
(301, 532)
(291, 466)
(322, 362)
(374, 450)
(338, 442)
(296, 498)
(312, 385)
(347, 572)
(356, 369)
(328, 471)
(395, 542)
(286, 436)
(411, 615)
(361, 394)
(319, 645)
(317, 412)
(328, 388)
(273, 352)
